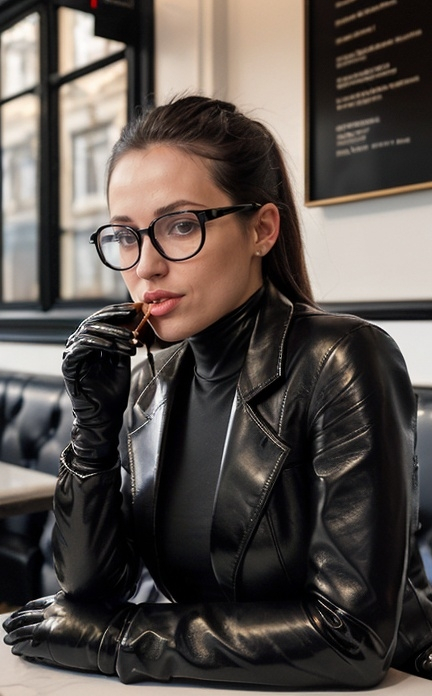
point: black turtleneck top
(197, 430)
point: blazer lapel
(253, 454)
(252, 459)
(146, 445)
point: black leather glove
(58, 631)
(96, 370)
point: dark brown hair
(247, 164)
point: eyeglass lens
(178, 236)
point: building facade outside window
(20, 116)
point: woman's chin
(167, 336)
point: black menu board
(368, 98)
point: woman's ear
(266, 228)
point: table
(19, 677)
(24, 490)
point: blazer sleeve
(342, 631)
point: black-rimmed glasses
(176, 236)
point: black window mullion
(49, 251)
(9, 13)
(140, 55)
(57, 80)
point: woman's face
(189, 295)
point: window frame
(51, 319)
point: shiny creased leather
(313, 532)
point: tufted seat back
(35, 420)
(35, 425)
(424, 453)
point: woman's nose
(150, 263)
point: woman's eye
(125, 238)
(185, 227)
(182, 227)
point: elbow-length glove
(218, 642)
(96, 371)
(92, 549)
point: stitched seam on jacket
(324, 360)
(265, 488)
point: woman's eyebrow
(181, 204)
(170, 208)
(120, 219)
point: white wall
(251, 52)
(27, 357)
(378, 249)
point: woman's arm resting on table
(342, 631)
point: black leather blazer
(314, 519)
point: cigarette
(142, 323)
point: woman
(265, 531)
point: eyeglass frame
(203, 216)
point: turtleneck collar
(219, 349)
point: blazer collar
(264, 360)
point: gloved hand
(96, 370)
(61, 632)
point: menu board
(369, 98)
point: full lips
(164, 306)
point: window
(20, 55)
(71, 71)
(92, 109)
(20, 116)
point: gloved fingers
(22, 628)
(40, 603)
(31, 642)
(115, 313)
(25, 623)
(61, 631)
(22, 625)
(107, 331)
(100, 337)
(28, 628)
(32, 612)
(119, 315)
(18, 649)
(35, 654)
